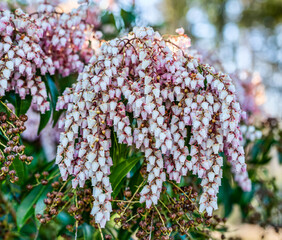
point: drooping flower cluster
(249, 88)
(186, 116)
(66, 36)
(21, 57)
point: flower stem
(100, 230)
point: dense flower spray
(185, 118)
(249, 88)
(66, 36)
(21, 57)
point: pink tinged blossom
(163, 107)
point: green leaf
(87, 231)
(256, 149)
(19, 168)
(65, 82)
(50, 165)
(44, 119)
(115, 148)
(54, 93)
(18, 104)
(56, 116)
(128, 18)
(246, 197)
(120, 170)
(21, 105)
(136, 179)
(119, 189)
(125, 234)
(25, 209)
(64, 219)
(11, 98)
(24, 104)
(51, 86)
(108, 18)
(225, 196)
(40, 205)
(97, 235)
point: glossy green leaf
(19, 167)
(128, 18)
(87, 231)
(24, 105)
(120, 170)
(136, 179)
(108, 18)
(54, 93)
(44, 119)
(40, 205)
(25, 209)
(64, 219)
(52, 88)
(56, 117)
(225, 196)
(11, 98)
(119, 189)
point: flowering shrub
(21, 56)
(142, 111)
(166, 92)
(47, 41)
(66, 36)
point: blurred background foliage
(246, 34)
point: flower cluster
(185, 118)
(21, 57)
(66, 36)
(249, 88)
